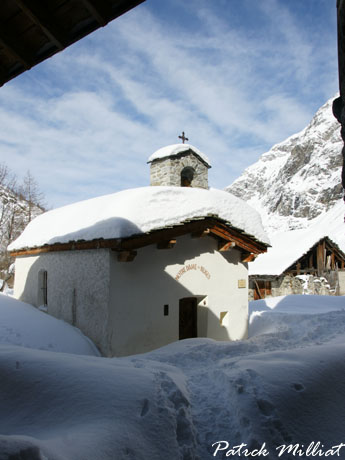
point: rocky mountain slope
(298, 179)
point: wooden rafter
(224, 245)
(200, 233)
(33, 30)
(99, 10)
(248, 257)
(242, 241)
(15, 50)
(168, 244)
(39, 16)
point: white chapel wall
(78, 288)
(120, 305)
(157, 277)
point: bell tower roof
(176, 150)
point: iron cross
(183, 137)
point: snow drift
(283, 386)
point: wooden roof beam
(248, 257)
(224, 245)
(200, 233)
(40, 18)
(99, 10)
(241, 241)
(17, 52)
(168, 244)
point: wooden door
(188, 318)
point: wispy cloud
(236, 78)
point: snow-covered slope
(284, 386)
(299, 178)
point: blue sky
(236, 75)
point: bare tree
(18, 206)
(30, 192)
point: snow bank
(175, 149)
(136, 211)
(297, 317)
(26, 326)
(278, 388)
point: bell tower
(179, 165)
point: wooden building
(321, 262)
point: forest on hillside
(20, 202)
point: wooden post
(320, 259)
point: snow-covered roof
(136, 211)
(176, 149)
(288, 247)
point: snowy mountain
(298, 179)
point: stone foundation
(303, 284)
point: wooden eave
(32, 30)
(212, 227)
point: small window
(42, 288)
(187, 175)
(166, 310)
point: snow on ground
(135, 211)
(24, 325)
(284, 385)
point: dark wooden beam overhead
(168, 244)
(14, 48)
(99, 10)
(248, 257)
(32, 30)
(224, 245)
(42, 19)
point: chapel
(144, 267)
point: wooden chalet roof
(315, 259)
(323, 254)
(33, 30)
